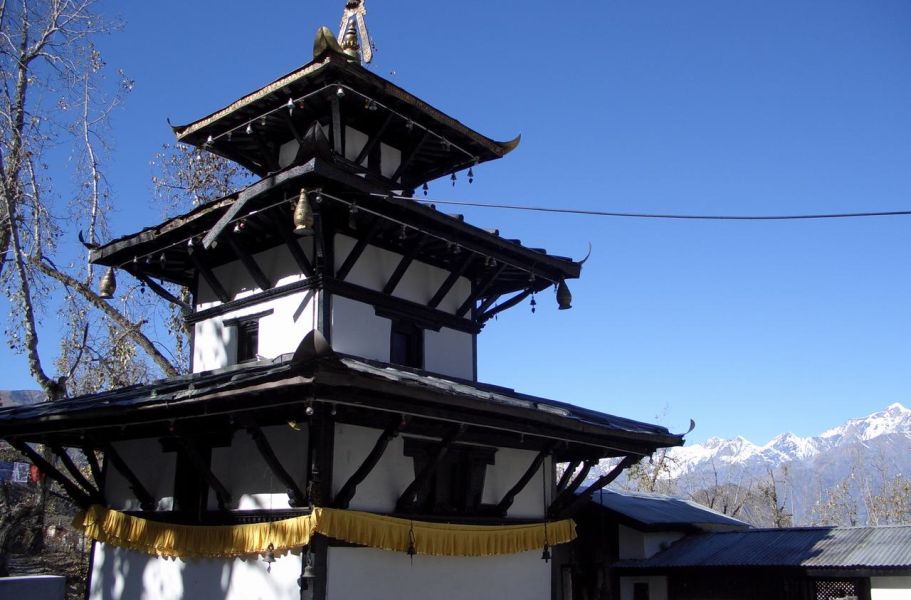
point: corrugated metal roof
(653, 510)
(817, 547)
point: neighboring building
(815, 563)
(332, 440)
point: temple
(332, 439)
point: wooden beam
(358, 249)
(509, 498)
(409, 156)
(408, 498)
(297, 253)
(146, 500)
(567, 493)
(451, 281)
(250, 264)
(293, 127)
(78, 496)
(266, 151)
(222, 495)
(582, 499)
(480, 290)
(77, 475)
(296, 496)
(403, 265)
(344, 496)
(567, 474)
(374, 139)
(94, 467)
(319, 474)
(338, 139)
(506, 305)
(162, 292)
(208, 275)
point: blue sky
(751, 107)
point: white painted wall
(369, 574)
(154, 468)
(358, 331)
(657, 587)
(119, 574)
(33, 587)
(637, 544)
(656, 542)
(890, 588)
(510, 464)
(449, 352)
(249, 479)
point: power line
(601, 213)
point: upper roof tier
(336, 89)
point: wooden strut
(358, 249)
(567, 493)
(78, 496)
(222, 495)
(506, 305)
(208, 275)
(374, 140)
(480, 290)
(93, 491)
(97, 474)
(344, 496)
(509, 498)
(296, 496)
(581, 499)
(163, 293)
(338, 139)
(250, 264)
(410, 156)
(297, 253)
(405, 262)
(450, 281)
(408, 498)
(567, 474)
(146, 500)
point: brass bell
(303, 215)
(108, 284)
(269, 556)
(564, 296)
(309, 571)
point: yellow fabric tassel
(365, 529)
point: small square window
(640, 591)
(247, 341)
(406, 345)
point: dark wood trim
(296, 496)
(408, 156)
(94, 467)
(246, 318)
(416, 312)
(222, 495)
(266, 150)
(374, 139)
(344, 496)
(146, 500)
(564, 496)
(321, 438)
(582, 499)
(567, 474)
(80, 479)
(297, 253)
(338, 129)
(483, 318)
(249, 264)
(276, 292)
(161, 291)
(509, 498)
(480, 290)
(82, 499)
(405, 262)
(408, 498)
(292, 126)
(450, 281)
(207, 274)
(358, 249)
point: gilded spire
(352, 33)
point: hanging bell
(352, 217)
(564, 297)
(303, 215)
(545, 556)
(108, 284)
(533, 304)
(453, 179)
(470, 175)
(269, 556)
(425, 188)
(309, 571)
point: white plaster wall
(657, 587)
(33, 587)
(369, 574)
(449, 352)
(249, 479)
(656, 542)
(392, 474)
(357, 330)
(154, 469)
(509, 465)
(119, 574)
(293, 317)
(890, 588)
(631, 543)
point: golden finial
(353, 19)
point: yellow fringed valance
(365, 529)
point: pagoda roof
(360, 391)
(367, 102)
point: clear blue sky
(750, 107)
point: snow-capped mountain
(887, 426)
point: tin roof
(814, 547)
(653, 511)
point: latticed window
(837, 589)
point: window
(457, 484)
(640, 591)
(247, 336)
(406, 345)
